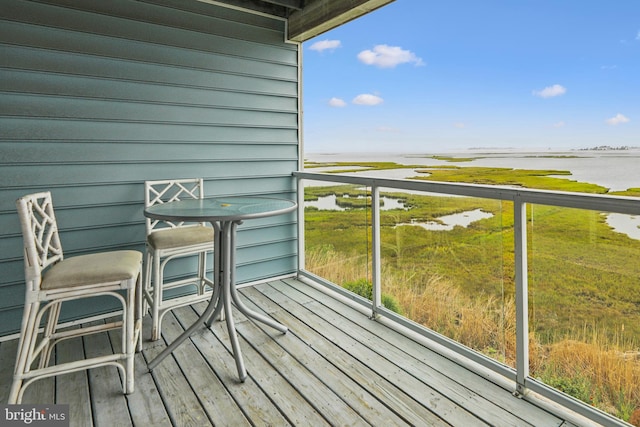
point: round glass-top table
(224, 214)
(220, 209)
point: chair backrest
(164, 191)
(40, 236)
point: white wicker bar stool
(167, 241)
(51, 280)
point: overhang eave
(320, 16)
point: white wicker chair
(52, 279)
(167, 241)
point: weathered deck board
(7, 361)
(264, 395)
(334, 367)
(73, 388)
(107, 400)
(145, 404)
(40, 391)
(370, 391)
(211, 392)
(434, 364)
(285, 396)
(354, 393)
(357, 344)
(316, 393)
(487, 401)
(180, 401)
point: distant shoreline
(616, 170)
(482, 150)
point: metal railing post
(375, 250)
(522, 296)
(301, 244)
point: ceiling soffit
(308, 18)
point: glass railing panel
(582, 281)
(584, 300)
(447, 264)
(338, 232)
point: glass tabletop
(220, 209)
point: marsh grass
(343, 167)
(584, 363)
(516, 177)
(455, 159)
(633, 192)
(591, 368)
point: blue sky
(432, 76)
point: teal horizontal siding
(69, 130)
(23, 176)
(149, 23)
(50, 107)
(30, 82)
(91, 152)
(98, 96)
(122, 70)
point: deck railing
(520, 198)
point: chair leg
(25, 349)
(147, 281)
(139, 299)
(14, 393)
(49, 330)
(157, 298)
(129, 331)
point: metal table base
(223, 297)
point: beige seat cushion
(180, 237)
(91, 269)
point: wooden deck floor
(334, 367)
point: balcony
(347, 360)
(99, 97)
(335, 367)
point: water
(330, 203)
(448, 222)
(444, 223)
(388, 173)
(616, 170)
(626, 224)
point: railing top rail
(599, 202)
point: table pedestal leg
(224, 295)
(256, 316)
(218, 261)
(228, 277)
(215, 305)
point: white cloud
(323, 45)
(367, 99)
(337, 102)
(638, 35)
(559, 124)
(459, 125)
(385, 56)
(617, 119)
(608, 67)
(550, 91)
